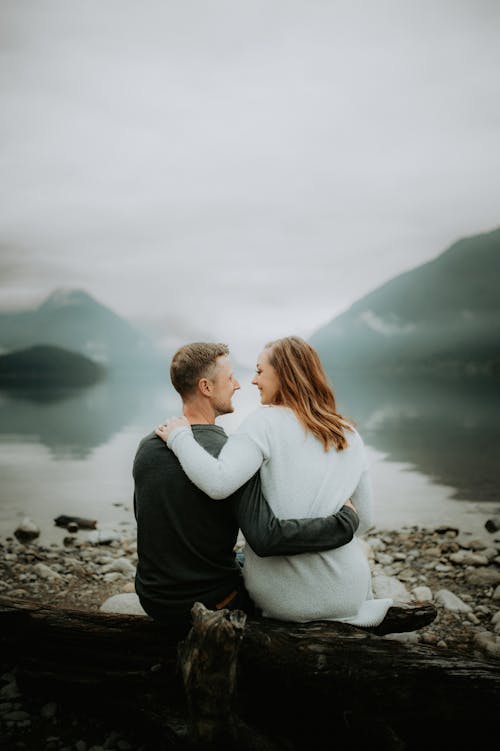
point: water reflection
(73, 422)
(447, 429)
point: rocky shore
(458, 572)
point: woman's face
(266, 379)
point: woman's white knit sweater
(299, 479)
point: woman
(310, 459)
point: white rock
(490, 553)
(45, 572)
(127, 603)
(389, 586)
(383, 558)
(465, 557)
(376, 543)
(103, 537)
(442, 567)
(422, 594)
(450, 601)
(113, 576)
(122, 565)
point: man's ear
(205, 386)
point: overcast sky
(241, 169)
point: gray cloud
(258, 165)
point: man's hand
(349, 504)
(163, 431)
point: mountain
(74, 320)
(440, 318)
(48, 366)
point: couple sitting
(293, 457)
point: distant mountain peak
(65, 297)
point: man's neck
(199, 413)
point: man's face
(224, 386)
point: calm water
(434, 449)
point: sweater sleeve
(240, 458)
(267, 535)
(362, 499)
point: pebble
(450, 601)
(27, 530)
(461, 575)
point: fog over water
(245, 170)
(432, 456)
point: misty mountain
(74, 320)
(48, 366)
(440, 318)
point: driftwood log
(299, 686)
(63, 521)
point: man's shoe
(403, 617)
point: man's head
(202, 370)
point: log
(63, 521)
(311, 684)
(209, 658)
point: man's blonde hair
(192, 362)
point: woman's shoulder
(354, 438)
(265, 418)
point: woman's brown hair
(305, 389)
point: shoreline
(458, 571)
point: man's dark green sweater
(185, 540)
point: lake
(433, 447)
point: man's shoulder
(211, 437)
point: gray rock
(496, 622)
(493, 524)
(103, 537)
(375, 543)
(383, 558)
(121, 565)
(17, 716)
(45, 572)
(488, 642)
(466, 558)
(113, 576)
(450, 601)
(487, 577)
(490, 553)
(27, 530)
(49, 710)
(10, 691)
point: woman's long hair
(305, 389)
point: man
(185, 540)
